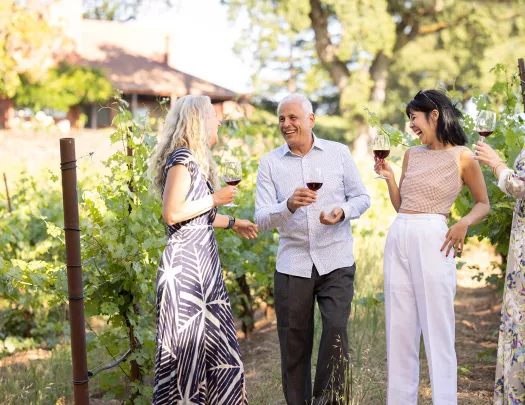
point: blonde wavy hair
(186, 126)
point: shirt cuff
(349, 212)
(502, 180)
(282, 210)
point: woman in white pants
(419, 265)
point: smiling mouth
(288, 133)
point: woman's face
(425, 129)
(213, 125)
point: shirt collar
(318, 144)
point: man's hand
(301, 197)
(245, 228)
(333, 218)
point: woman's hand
(382, 167)
(455, 238)
(224, 196)
(486, 155)
(245, 228)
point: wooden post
(9, 208)
(75, 288)
(521, 67)
(136, 374)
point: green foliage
(123, 238)
(276, 40)
(123, 10)
(65, 86)
(27, 45)
(30, 262)
(372, 46)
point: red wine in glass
(314, 186)
(231, 174)
(381, 153)
(485, 123)
(484, 134)
(233, 182)
(381, 148)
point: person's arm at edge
(393, 189)
(357, 198)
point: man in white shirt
(315, 257)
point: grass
(38, 382)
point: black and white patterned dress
(197, 360)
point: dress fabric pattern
(510, 369)
(198, 361)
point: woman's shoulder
(463, 149)
(464, 153)
(179, 156)
(415, 149)
(181, 152)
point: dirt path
(477, 319)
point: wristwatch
(231, 222)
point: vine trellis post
(75, 287)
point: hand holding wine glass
(381, 148)
(231, 174)
(224, 196)
(485, 123)
(382, 168)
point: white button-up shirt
(304, 241)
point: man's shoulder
(333, 145)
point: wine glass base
(380, 177)
(230, 205)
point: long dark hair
(449, 130)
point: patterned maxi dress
(197, 360)
(510, 370)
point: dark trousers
(294, 307)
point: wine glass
(381, 148)
(231, 174)
(314, 179)
(485, 123)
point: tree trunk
(7, 113)
(379, 75)
(326, 50)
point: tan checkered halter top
(432, 180)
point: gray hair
(305, 103)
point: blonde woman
(198, 359)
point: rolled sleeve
(512, 182)
(357, 198)
(269, 213)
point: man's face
(295, 124)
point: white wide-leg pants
(420, 285)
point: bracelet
(231, 222)
(495, 167)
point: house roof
(137, 60)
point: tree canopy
(373, 51)
(30, 72)
(27, 45)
